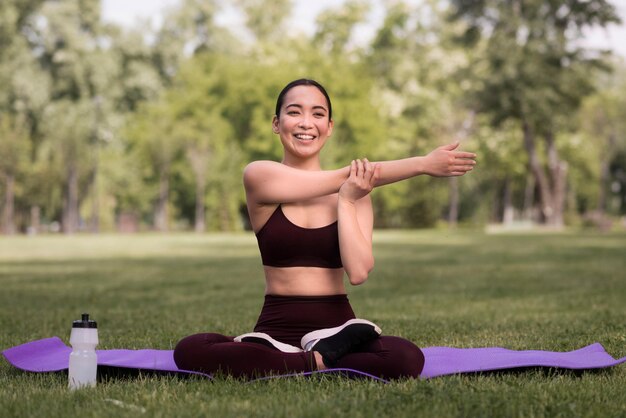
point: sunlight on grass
(464, 289)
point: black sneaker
(266, 340)
(333, 343)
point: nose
(305, 121)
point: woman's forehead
(309, 96)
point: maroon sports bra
(284, 244)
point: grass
(548, 291)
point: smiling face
(303, 123)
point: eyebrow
(300, 106)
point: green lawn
(463, 289)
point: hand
(363, 176)
(446, 162)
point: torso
(313, 213)
(303, 281)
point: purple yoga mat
(51, 354)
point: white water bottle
(83, 359)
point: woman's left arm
(356, 219)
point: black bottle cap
(85, 322)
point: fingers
(364, 172)
(459, 170)
(462, 154)
(369, 170)
(451, 147)
(463, 164)
(360, 170)
(372, 172)
(462, 161)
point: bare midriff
(303, 281)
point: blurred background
(140, 115)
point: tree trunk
(70, 204)
(199, 159)
(8, 213)
(551, 188)
(35, 220)
(225, 223)
(604, 174)
(199, 222)
(453, 211)
(507, 203)
(160, 215)
(545, 197)
(558, 175)
(95, 201)
(529, 197)
(461, 134)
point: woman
(313, 226)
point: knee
(190, 349)
(408, 359)
(183, 352)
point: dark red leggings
(287, 319)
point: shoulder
(258, 170)
(260, 166)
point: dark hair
(303, 82)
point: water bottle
(83, 359)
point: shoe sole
(264, 339)
(329, 332)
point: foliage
(157, 122)
(531, 70)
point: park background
(127, 118)
(108, 123)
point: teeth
(301, 136)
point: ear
(275, 123)
(331, 124)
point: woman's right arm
(269, 182)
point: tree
(68, 126)
(534, 72)
(199, 126)
(335, 26)
(153, 142)
(188, 29)
(265, 18)
(603, 123)
(22, 97)
(14, 148)
(420, 98)
(68, 37)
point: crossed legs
(386, 357)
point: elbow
(357, 279)
(360, 275)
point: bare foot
(319, 362)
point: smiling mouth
(304, 137)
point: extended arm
(354, 205)
(444, 161)
(269, 182)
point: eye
(293, 112)
(319, 115)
